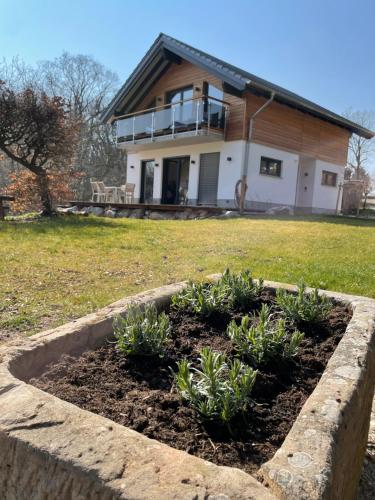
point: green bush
(261, 338)
(142, 331)
(230, 291)
(219, 390)
(303, 307)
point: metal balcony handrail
(200, 118)
(168, 105)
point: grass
(55, 270)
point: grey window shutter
(208, 178)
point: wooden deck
(147, 206)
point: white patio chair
(98, 193)
(126, 193)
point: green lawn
(55, 270)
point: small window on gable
(270, 166)
(329, 178)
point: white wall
(325, 197)
(229, 171)
(265, 189)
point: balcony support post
(173, 114)
(197, 118)
(152, 126)
(133, 129)
(209, 116)
(226, 114)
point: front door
(208, 178)
(147, 181)
(175, 180)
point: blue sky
(323, 50)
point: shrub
(260, 338)
(303, 307)
(241, 290)
(219, 390)
(200, 298)
(230, 291)
(142, 332)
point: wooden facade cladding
(185, 74)
(277, 126)
(286, 128)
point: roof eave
(231, 75)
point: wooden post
(243, 193)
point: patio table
(112, 192)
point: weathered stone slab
(52, 449)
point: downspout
(245, 164)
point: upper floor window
(180, 95)
(269, 166)
(212, 91)
(329, 178)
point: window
(329, 178)
(180, 95)
(182, 106)
(269, 166)
(210, 90)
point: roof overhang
(167, 50)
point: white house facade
(199, 131)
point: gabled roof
(160, 55)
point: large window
(212, 91)
(183, 112)
(180, 95)
(329, 178)
(269, 166)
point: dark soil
(139, 393)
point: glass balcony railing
(193, 115)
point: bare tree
(88, 87)
(83, 82)
(361, 151)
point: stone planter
(52, 449)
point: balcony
(194, 120)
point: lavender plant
(303, 307)
(142, 331)
(260, 338)
(220, 389)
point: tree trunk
(45, 194)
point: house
(198, 130)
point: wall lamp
(156, 164)
(131, 166)
(229, 158)
(192, 162)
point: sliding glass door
(147, 181)
(175, 180)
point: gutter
(245, 163)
